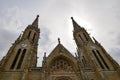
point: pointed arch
(33, 39)
(21, 59)
(97, 58)
(29, 34)
(15, 59)
(85, 36)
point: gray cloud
(6, 39)
(115, 51)
(100, 17)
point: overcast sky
(101, 18)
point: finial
(59, 40)
(44, 54)
(44, 58)
(75, 54)
(72, 18)
(37, 16)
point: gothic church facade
(91, 62)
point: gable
(60, 50)
(60, 53)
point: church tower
(23, 53)
(91, 54)
(82, 39)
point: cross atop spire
(35, 22)
(75, 25)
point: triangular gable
(60, 50)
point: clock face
(23, 45)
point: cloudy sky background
(101, 18)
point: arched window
(34, 37)
(85, 36)
(29, 34)
(15, 59)
(96, 56)
(21, 59)
(80, 37)
(102, 59)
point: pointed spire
(35, 22)
(75, 25)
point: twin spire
(75, 25)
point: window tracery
(61, 65)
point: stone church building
(91, 62)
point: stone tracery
(61, 64)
